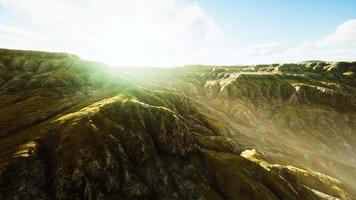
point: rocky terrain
(75, 129)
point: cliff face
(302, 115)
(73, 129)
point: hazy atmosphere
(179, 32)
(178, 100)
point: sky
(179, 32)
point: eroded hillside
(73, 129)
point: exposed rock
(69, 129)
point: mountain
(75, 129)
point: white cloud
(153, 32)
(136, 32)
(345, 33)
(336, 46)
(261, 49)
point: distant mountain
(313, 61)
(74, 129)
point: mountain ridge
(71, 129)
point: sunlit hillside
(177, 100)
(71, 128)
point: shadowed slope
(81, 132)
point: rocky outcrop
(69, 129)
(295, 114)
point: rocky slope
(73, 129)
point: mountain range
(77, 129)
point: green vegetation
(74, 129)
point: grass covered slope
(71, 129)
(294, 114)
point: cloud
(260, 49)
(12, 37)
(336, 46)
(345, 33)
(153, 32)
(139, 32)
